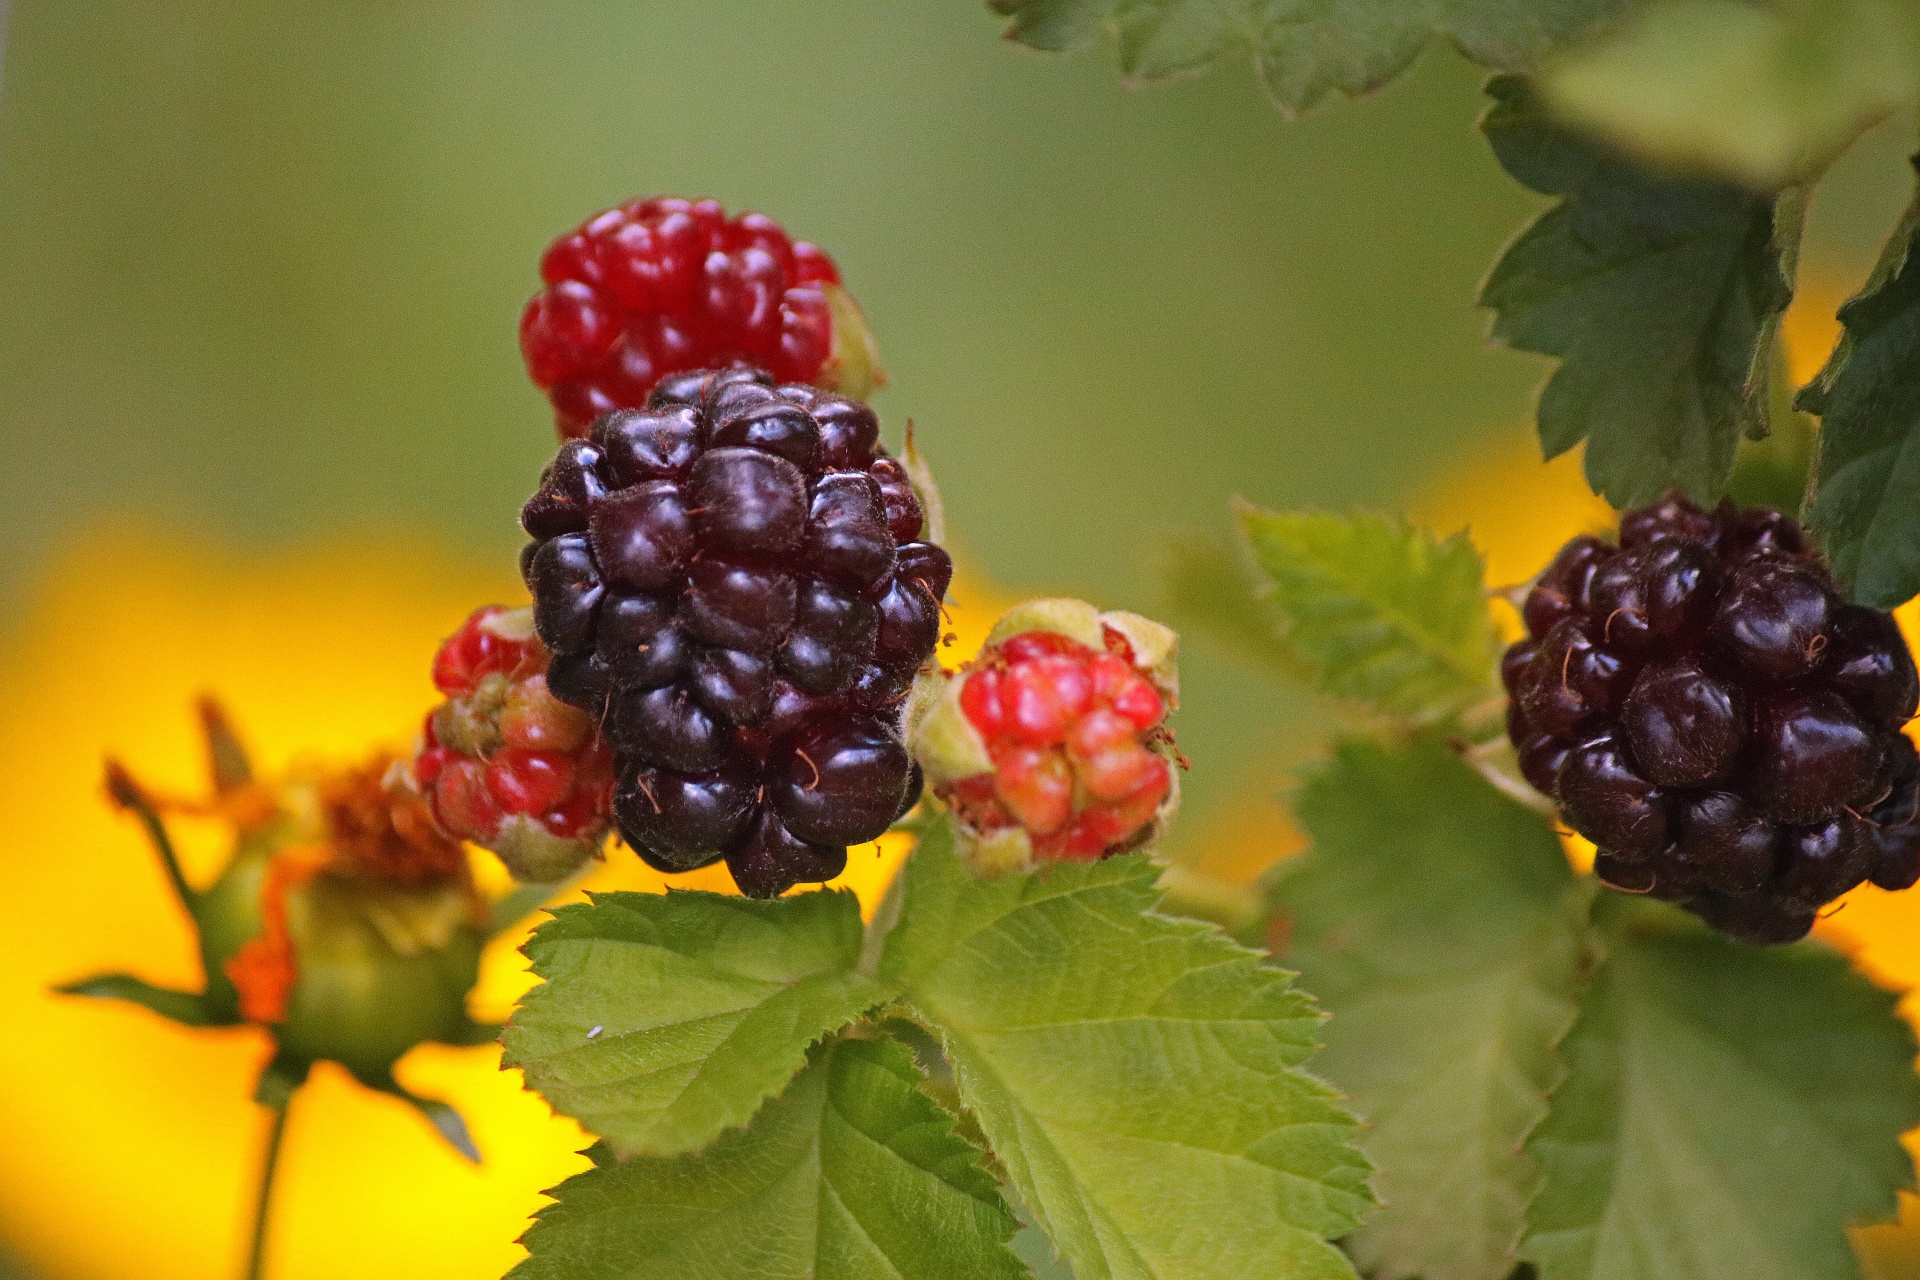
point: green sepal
(188, 1008)
(281, 1078)
(446, 1121)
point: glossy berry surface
(1078, 741)
(661, 286)
(505, 764)
(734, 586)
(1713, 716)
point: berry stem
(1505, 783)
(263, 1194)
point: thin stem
(128, 795)
(263, 1195)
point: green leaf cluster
(1598, 1086)
(1867, 506)
(1134, 1081)
(1766, 95)
(1661, 293)
(1303, 50)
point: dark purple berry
(839, 783)
(910, 608)
(643, 536)
(1610, 804)
(1562, 590)
(1515, 663)
(1870, 666)
(1574, 680)
(682, 821)
(738, 606)
(748, 502)
(833, 637)
(1673, 516)
(772, 859)
(568, 487)
(1811, 757)
(731, 585)
(1683, 725)
(1734, 848)
(849, 433)
(1704, 708)
(566, 592)
(776, 426)
(1628, 877)
(904, 516)
(667, 727)
(1892, 827)
(639, 640)
(1823, 861)
(1761, 530)
(582, 679)
(847, 537)
(648, 444)
(737, 687)
(1773, 617)
(1764, 920)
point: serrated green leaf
(1303, 50)
(1763, 95)
(851, 1174)
(665, 1019)
(1867, 506)
(188, 1008)
(1378, 611)
(1138, 1076)
(1661, 294)
(1728, 1111)
(1441, 926)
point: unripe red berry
(506, 764)
(656, 287)
(1052, 743)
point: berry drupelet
(504, 763)
(1052, 743)
(663, 285)
(1716, 720)
(734, 585)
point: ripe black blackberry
(1708, 712)
(732, 580)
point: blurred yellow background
(263, 430)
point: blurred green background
(261, 263)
